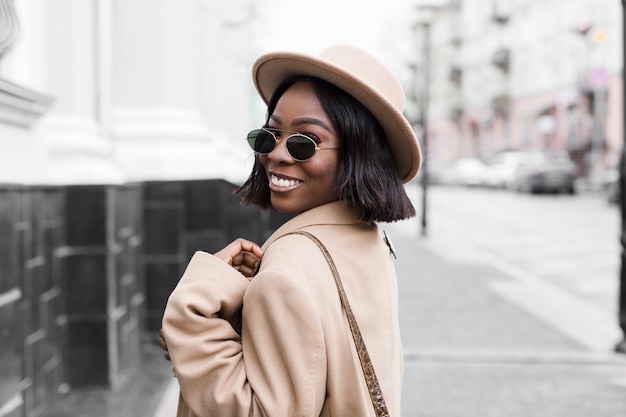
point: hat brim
(271, 69)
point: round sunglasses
(300, 146)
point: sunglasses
(300, 146)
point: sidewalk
(483, 338)
(139, 395)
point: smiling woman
(306, 325)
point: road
(508, 305)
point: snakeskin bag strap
(371, 380)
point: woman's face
(299, 186)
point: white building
(112, 91)
(524, 74)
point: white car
(501, 169)
(469, 172)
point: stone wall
(32, 228)
(100, 283)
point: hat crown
(369, 70)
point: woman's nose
(280, 152)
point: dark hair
(366, 174)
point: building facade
(523, 74)
(111, 91)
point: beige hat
(364, 78)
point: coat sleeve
(282, 343)
(203, 343)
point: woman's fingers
(246, 262)
(243, 255)
(248, 269)
(232, 252)
(163, 345)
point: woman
(335, 151)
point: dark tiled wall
(32, 227)
(70, 298)
(102, 294)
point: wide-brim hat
(363, 77)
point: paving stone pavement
(469, 351)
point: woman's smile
(283, 184)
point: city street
(508, 305)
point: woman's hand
(163, 345)
(243, 255)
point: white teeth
(280, 182)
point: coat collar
(334, 213)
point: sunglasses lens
(261, 141)
(300, 147)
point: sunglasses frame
(276, 140)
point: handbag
(376, 394)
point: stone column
(61, 55)
(157, 121)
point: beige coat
(295, 355)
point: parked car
(546, 171)
(469, 172)
(501, 169)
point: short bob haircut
(366, 175)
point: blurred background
(88, 83)
(121, 139)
